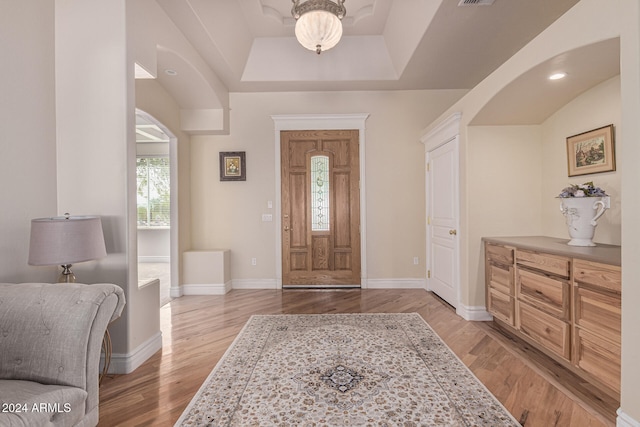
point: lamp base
(67, 275)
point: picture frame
(233, 166)
(591, 152)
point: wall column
(95, 113)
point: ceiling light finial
(318, 23)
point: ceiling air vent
(476, 2)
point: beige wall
(595, 108)
(154, 245)
(227, 215)
(27, 123)
(629, 21)
(503, 190)
(95, 119)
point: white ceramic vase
(582, 214)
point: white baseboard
(127, 363)
(220, 289)
(164, 259)
(624, 420)
(396, 284)
(206, 288)
(365, 283)
(254, 284)
(474, 313)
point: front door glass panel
(319, 193)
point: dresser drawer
(501, 306)
(499, 254)
(598, 311)
(546, 293)
(552, 333)
(602, 275)
(501, 278)
(544, 262)
(599, 357)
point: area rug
(342, 370)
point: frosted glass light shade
(318, 30)
(66, 240)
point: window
(319, 193)
(153, 191)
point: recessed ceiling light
(557, 76)
(171, 72)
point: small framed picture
(233, 166)
(591, 152)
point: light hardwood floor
(198, 329)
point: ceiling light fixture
(318, 23)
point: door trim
(320, 122)
(447, 131)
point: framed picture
(591, 152)
(233, 166)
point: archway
(156, 196)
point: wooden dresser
(565, 300)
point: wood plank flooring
(198, 329)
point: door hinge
(428, 274)
(428, 220)
(428, 167)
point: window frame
(148, 225)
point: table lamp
(64, 241)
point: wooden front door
(320, 208)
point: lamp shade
(66, 240)
(318, 30)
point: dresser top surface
(606, 254)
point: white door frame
(445, 132)
(320, 122)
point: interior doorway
(155, 196)
(443, 210)
(442, 221)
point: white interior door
(442, 221)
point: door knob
(453, 232)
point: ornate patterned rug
(342, 370)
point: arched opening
(156, 197)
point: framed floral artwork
(233, 166)
(591, 152)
